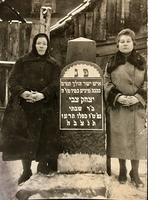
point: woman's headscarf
(34, 50)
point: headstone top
(81, 49)
(81, 39)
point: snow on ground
(10, 172)
(128, 191)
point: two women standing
(34, 91)
(125, 95)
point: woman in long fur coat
(125, 96)
(30, 125)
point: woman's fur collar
(32, 57)
(119, 59)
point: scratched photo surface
(82, 37)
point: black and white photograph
(73, 99)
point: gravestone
(81, 110)
(82, 165)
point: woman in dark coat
(30, 124)
(126, 95)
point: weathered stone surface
(83, 142)
(72, 163)
(60, 186)
(81, 49)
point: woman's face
(41, 45)
(125, 44)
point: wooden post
(82, 25)
(42, 26)
(35, 30)
(45, 18)
(4, 40)
(13, 38)
(6, 87)
(99, 26)
(89, 24)
(25, 34)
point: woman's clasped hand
(127, 100)
(32, 96)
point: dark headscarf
(34, 51)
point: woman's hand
(26, 95)
(123, 100)
(127, 100)
(132, 100)
(37, 96)
(32, 96)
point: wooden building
(101, 20)
(30, 9)
(23, 7)
(8, 13)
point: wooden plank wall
(101, 22)
(89, 23)
(15, 39)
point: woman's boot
(43, 167)
(27, 173)
(122, 171)
(52, 164)
(135, 175)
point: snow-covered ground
(10, 172)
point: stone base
(65, 186)
(85, 163)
